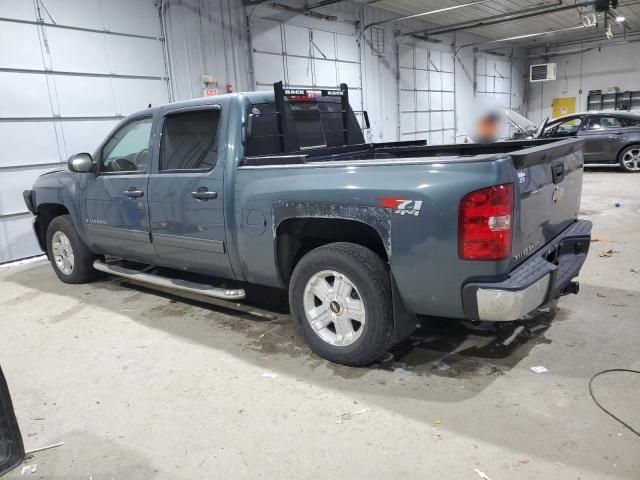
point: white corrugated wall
(69, 71)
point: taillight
(485, 223)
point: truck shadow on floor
(439, 347)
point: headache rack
(289, 102)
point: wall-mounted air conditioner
(543, 72)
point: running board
(170, 283)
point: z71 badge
(400, 205)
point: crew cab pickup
(279, 188)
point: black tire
(82, 270)
(635, 150)
(370, 276)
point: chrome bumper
(504, 306)
(545, 276)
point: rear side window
(631, 122)
(190, 140)
(600, 123)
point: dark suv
(610, 137)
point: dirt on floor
(140, 384)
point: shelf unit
(629, 100)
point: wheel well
(626, 146)
(46, 213)
(297, 236)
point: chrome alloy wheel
(631, 159)
(62, 252)
(334, 308)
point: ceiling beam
(323, 3)
(500, 18)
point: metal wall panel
(306, 53)
(31, 143)
(23, 54)
(24, 95)
(85, 135)
(65, 81)
(16, 237)
(207, 37)
(426, 93)
(89, 52)
(84, 96)
(493, 79)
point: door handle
(203, 194)
(133, 193)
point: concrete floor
(141, 385)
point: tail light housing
(486, 223)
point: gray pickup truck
(280, 189)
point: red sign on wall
(209, 92)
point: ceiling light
(620, 18)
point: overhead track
(500, 18)
(430, 12)
(519, 37)
(419, 15)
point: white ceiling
(556, 21)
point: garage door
(493, 78)
(307, 57)
(69, 70)
(427, 92)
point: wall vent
(377, 41)
(543, 72)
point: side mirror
(80, 162)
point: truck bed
(523, 152)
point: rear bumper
(540, 279)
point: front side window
(564, 128)
(601, 123)
(190, 140)
(129, 149)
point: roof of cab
(252, 97)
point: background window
(128, 150)
(190, 140)
(563, 129)
(599, 123)
(632, 122)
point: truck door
(114, 202)
(186, 195)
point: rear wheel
(340, 299)
(629, 159)
(69, 255)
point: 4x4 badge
(400, 205)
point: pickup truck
(279, 188)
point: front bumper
(540, 279)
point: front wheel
(69, 255)
(629, 159)
(340, 299)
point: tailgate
(547, 194)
